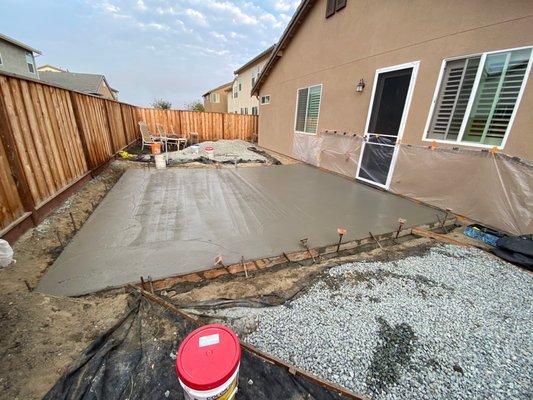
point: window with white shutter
(478, 96)
(307, 109)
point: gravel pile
(224, 151)
(452, 323)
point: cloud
(153, 26)
(109, 8)
(219, 36)
(238, 15)
(196, 16)
(141, 6)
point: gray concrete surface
(162, 223)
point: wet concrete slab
(162, 223)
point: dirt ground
(41, 335)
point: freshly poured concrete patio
(162, 223)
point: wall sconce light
(360, 86)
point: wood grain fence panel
(131, 129)
(11, 206)
(116, 125)
(97, 137)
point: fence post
(17, 170)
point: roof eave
(256, 59)
(305, 5)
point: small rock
(167, 393)
(250, 382)
(457, 368)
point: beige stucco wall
(49, 68)
(14, 60)
(245, 99)
(106, 92)
(221, 106)
(372, 34)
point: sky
(147, 49)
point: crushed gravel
(452, 323)
(224, 151)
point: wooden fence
(52, 140)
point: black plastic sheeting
(516, 249)
(132, 361)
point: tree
(196, 105)
(162, 104)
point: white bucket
(210, 151)
(227, 391)
(160, 161)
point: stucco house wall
(222, 105)
(371, 34)
(245, 100)
(14, 60)
(336, 52)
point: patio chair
(147, 137)
(171, 138)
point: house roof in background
(225, 85)
(288, 33)
(86, 83)
(19, 44)
(264, 54)
(50, 66)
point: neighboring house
(94, 84)
(241, 100)
(216, 100)
(17, 58)
(434, 90)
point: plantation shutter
(450, 108)
(301, 110)
(501, 80)
(330, 8)
(312, 109)
(340, 5)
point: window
(253, 81)
(478, 97)
(1, 59)
(215, 97)
(242, 110)
(265, 99)
(307, 109)
(254, 111)
(235, 95)
(240, 87)
(29, 61)
(332, 6)
(246, 111)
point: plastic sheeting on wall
(492, 188)
(340, 153)
(334, 152)
(306, 148)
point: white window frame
(458, 141)
(307, 105)
(32, 62)
(1, 60)
(215, 98)
(266, 102)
